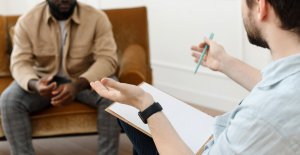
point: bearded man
(267, 120)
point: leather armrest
(5, 82)
(133, 67)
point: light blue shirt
(268, 120)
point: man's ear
(262, 9)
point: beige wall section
(174, 26)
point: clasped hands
(62, 94)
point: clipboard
(193, 126)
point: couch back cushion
(130, 27)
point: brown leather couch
(131, 33)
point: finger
(99, 88)
(207, 41)
(111, 94)
(57, 91)
(204, 60)
(107, 82)
(52, 86)
(61, 101)
(196, 48)
(46, 80)
(98, 85)
(196, 54)
(61, 95)
(46, 89)
(202, 45)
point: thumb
(46, 80)
(49, 78)
(52, 86)
(107, 82)
(208, 41)
(56, 90)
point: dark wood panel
(80, 145)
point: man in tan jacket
(59, 47)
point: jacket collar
(75, 16)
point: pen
(203, 53)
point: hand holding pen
(213, 57)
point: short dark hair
(288, 12)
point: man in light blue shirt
(267, 122)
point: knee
(124, 126)
(7, 102)
(103, 103)
(11, 98)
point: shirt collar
(75, 16)
(280, 69)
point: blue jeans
(142, 143)
(17, 105)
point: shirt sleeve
(104, 51)
(246, 134)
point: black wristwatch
(152, 109)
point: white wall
(16, 7)
(174, 26)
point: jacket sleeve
(21, 63)
(104, 51)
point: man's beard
(57, 14)
(254, 34)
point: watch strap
(152, 109)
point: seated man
(59, 46)
(267, 121)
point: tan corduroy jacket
(89, 48)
